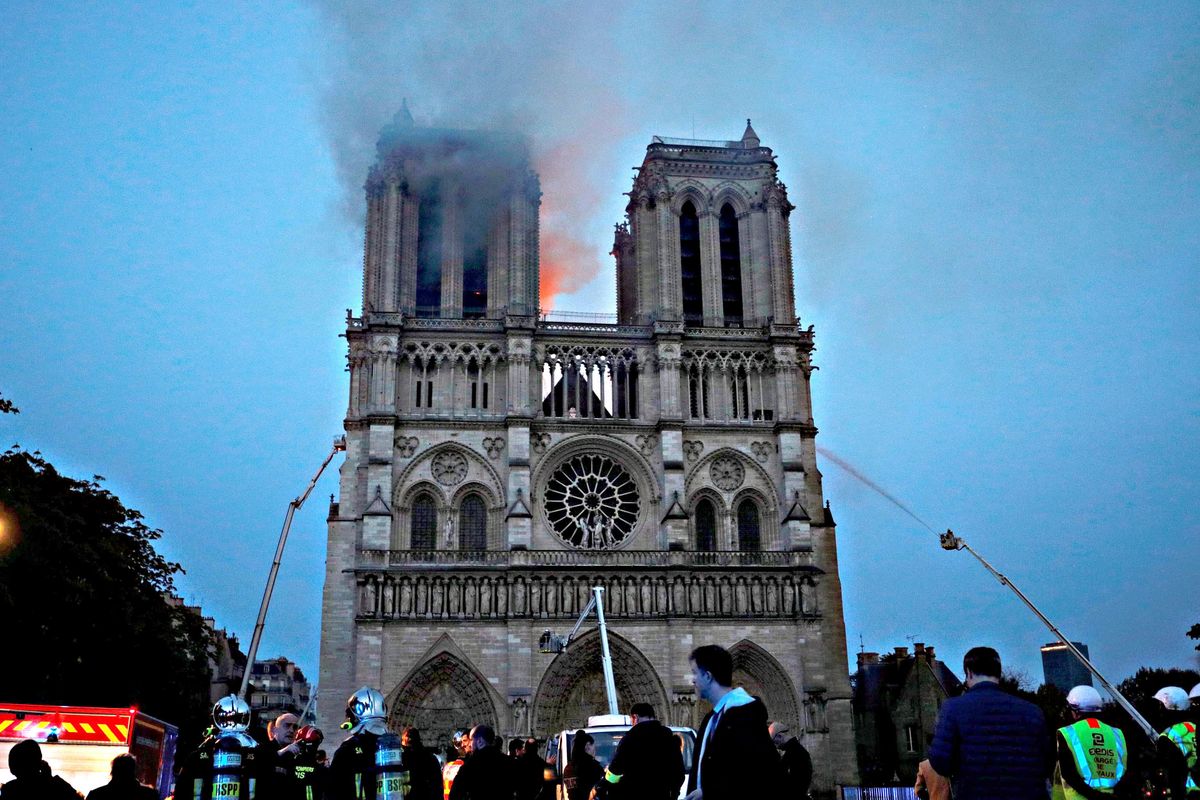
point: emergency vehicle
(80, 742)
(608, 730)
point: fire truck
(80, 742)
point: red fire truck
(80, 742)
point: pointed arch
(690, 283)
(749, 525)
(445, 691)
(572, 688)
(731, 266)
(760, 674)
(472, 523)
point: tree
(1194, 633)
(83, 595)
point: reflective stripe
(1105, 743)
(610, 777)
(1183, 734)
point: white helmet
(1173, 698)
(1084, 698)
(231, 714)
(1194, 694)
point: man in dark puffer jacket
(992, 745)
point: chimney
(918, 649)
(901, 652)
(930, 656)
(867, 659)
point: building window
(706, 526)
(472, 523)
(424, 523)
(731, 267)
(689, 264)
(429, 252)
(749, 529)
(474, 299)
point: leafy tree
(1194, 633)
(83, 596)
(7, 407)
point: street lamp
(553, 643)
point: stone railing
(484, 595)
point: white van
(608, 730)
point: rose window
(591, 502)
(727, 473)
(449, 467)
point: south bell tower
(501, 462)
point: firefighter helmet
(231, 714)
(365, 704)
(1194, 694)
(1084, 698)
(310, 735)
(460, 739)
(1173, 698)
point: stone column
(497, 264)
(710, 269)
(667, 268)
(645, 255)
(452, 252)
(408, 254)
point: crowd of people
(988, 745)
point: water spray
(950, 541)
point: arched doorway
(442, 694)
(573, 687)
(757, 671)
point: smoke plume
(518, 69)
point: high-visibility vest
(1183, 734)
(1099, 753)
(449, 773)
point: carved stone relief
(449, 467)
(693, 450)
(406, 446)
(494, 446)
(727, 473)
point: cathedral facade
(502, 462)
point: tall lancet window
(731, 267)
(749, 530)
(424, 523)
(706, 526)
(429, 252)
(689, 264)
(475, 244)
(472, 523)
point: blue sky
(996, 237)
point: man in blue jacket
(992, 745)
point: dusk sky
(997, 237)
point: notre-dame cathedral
(502, 461)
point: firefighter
(366, 766)
(462, 747)
(1177, 743)
(226, 763)
(1093, 756)
(309, 776)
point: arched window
(731, 267)
(429, 252)
(749, 529)
(689, 264)
(706, 526)
(423, 530)
(472, 523)
(475, 253)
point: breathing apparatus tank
(233, 762)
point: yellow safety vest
(449, 773)
(1183, 735)
(1099, 753)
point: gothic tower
(501, 462)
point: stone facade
(501, 462)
